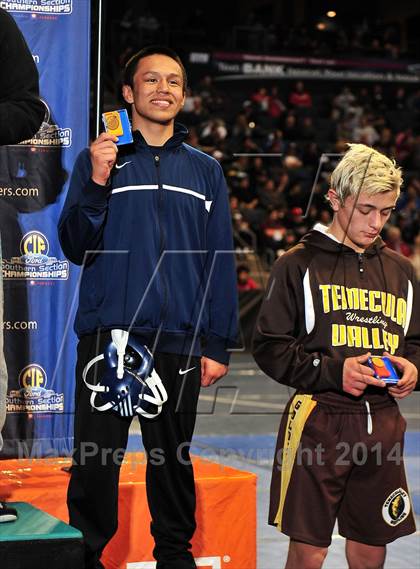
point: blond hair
(363, 169)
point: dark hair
(131, 65)
(241, 268)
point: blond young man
(335, 299)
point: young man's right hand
(357, 376)
(103, 155)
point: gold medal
(113, 123)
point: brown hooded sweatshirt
(326, 302)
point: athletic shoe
(7, 513)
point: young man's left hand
(211, 371)
(408, 380)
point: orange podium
(226, 509)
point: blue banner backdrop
(39, 285)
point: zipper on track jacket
(162, 242)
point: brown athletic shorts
(328, 467)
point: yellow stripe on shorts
(299, 411)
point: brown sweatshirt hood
(320, 239)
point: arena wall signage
(39, 282)
(248, 66)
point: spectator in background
(250, 207)
(234, 205)
(275, 142)
(413, 102)
(411, 193)
(208, 92)
(290, 128)
(345, 99)
(189, 101)
(291, 162)
(399, 100)
(240, 128)
(415, 153)
(378, 98)
(365, 132)
(415, 258)
(300, 98)
(199, 112)
(404, 141)
(193, 139)
(325, 217)
(345, 127)
(213, 135)
(306, 130)
(310, 156)
(289, 241)
(244, 237)
(258, 172)
(275, 106)
(243, 191)
(407, 217)
(273, 232)
(271, 196)
(261, 99)
(296, 222)
(394, 241)
(250, 145)
(364, 98)
(386, 141)
(245, 282)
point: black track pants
(93, 489)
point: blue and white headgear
(129, 385)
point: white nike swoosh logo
(119, 166)
(184, 371)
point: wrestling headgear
(129, 384)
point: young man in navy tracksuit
(156, 215)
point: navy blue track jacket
(156, 245)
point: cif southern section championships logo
(56, 7)
(33, 395)
(49, 133)
(34, 263)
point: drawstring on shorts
(369, 419)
